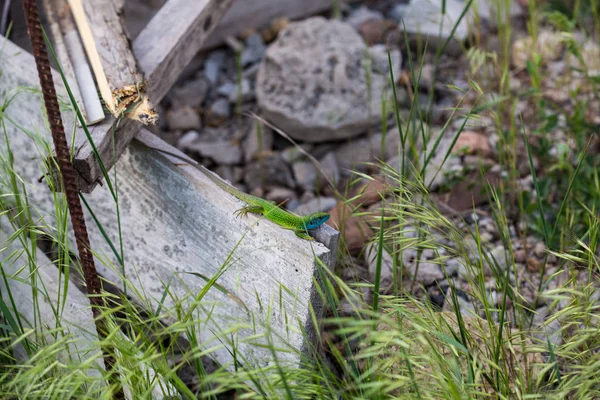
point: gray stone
(488, 10)
(318, 204)
(330, 168)
(218, 112)
(548, 331)
(426, 272)
(397, 12)
(466, 307)
(213, 65)
(306, 174)
(353, 155)
(232, 89)
(257, 141)
(188, 141)
(271, 171)
(390, 146)
(254, 50)
(312, 81)
(427, 74)
(293, 154)
(438, 172)
(423, 18)
(192, 93)
(183, 118)
(221, 152)
(281, 195)
(362, 15)
(387, 265)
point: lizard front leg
(242, 212)
(301, 233)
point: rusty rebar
(69, 183)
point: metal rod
(69, 183)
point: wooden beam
(73, 307)
(55, 310)
(162, 51)
(173, 37)
(173, 222)
(168, 43)
(245, 14)
(120, 83)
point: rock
(423, 18)
(183, 118)
(218, 112)
(539, 249)
(549, 45)
(550, 331)
(489, 10)
(361, 15)
(425, 272)
(253, 51)
(520, 256)
(271, 171)
(293, 154)
(390, 146)
(371, 192)
(466, 307)
(257, 141)
(397, 12)
(312, 82)
(387, 266)
(356, 230)
(221, 152)
(448, 169)
(192, 93)
(305, 174)
(497, 258)
(281, 195)
(232, 89)
(330, 168)
(213, 65)
(471, 142)
(226, 172)
(272, 31)
(455, 266)
(188, 141)
(427, 76)
(354, 155)
(590, 55)
(318, 204)
(375, 31)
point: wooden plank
(76, 321)
(63, 315)
(163, 51)
(107, 46)
(73, 60)
(245, 14)
(173, 220)
(60, 48)
(173, 37)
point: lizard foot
(242, 212)
(303, 235)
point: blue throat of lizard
(315, 220)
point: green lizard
(288, 220)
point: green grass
(390, 344)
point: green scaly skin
(287, 220)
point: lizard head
(315, 220)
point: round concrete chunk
(315, 79)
